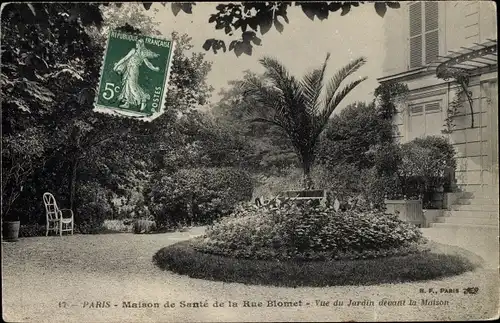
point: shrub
(378, 186)
(198, 195)
(299, 230)
(118, 225)
(426, 164)
(132, 205)
(351, 134)
(289, 178)
(144, 226)
(32, 230)
(93, 207)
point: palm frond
(269, 103)
(279, 76)
(276, 72)
(265, 97)
(340, 76)
(335, 101)
(312, 85)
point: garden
(270, 134)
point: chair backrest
(51, 209)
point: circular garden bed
(439, 261)
(304, 245)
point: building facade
(423, 39)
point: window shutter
(415, 19)
(433, 107)
(415, 35)
(416, 109)
(431, 31)
(416, 51)
(433, 119)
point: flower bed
(304, 232)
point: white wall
(462, 23)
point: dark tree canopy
(242, 20)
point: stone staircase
(471, 222)
(472, 209)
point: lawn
(440, 261)
(42, 272)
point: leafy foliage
(295, 107)
(413, 170)
(388, 96)
(21, 154)
(248, 17)
(41, 70)
(305, 232)
(252, 17)
(144, 226)
(426, 164)
(267, 150)
(93, 207)
(89, 160)
(382, 181)
(352, 134)
(462, 78)
(196, 195)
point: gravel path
(39, 273)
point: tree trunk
(308, 183)
(72, 182)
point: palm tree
(296, 107)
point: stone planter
(304, 195)
(451, 198)
(10, 230)
(430, 216)
(410, 211)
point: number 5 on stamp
(134, 76)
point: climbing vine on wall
(461, 78)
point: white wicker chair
(55, 220)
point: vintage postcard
(300, 161)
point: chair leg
(47, 230)
(72, 227)
(60, 228)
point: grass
(440, 261)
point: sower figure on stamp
(128, 66)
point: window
(424, 33)
(425, 120)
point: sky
(301, 46)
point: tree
(233, 17)
(270, 151)
(50, 68)
(295, 106)
(352, 134)
(43, 70)
(388, 96)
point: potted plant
(10, 227)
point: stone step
(487, 194)
(477, 201)
(467, 220)
(471, 214)
(463, 226)
(475, 207)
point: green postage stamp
(134, 76)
